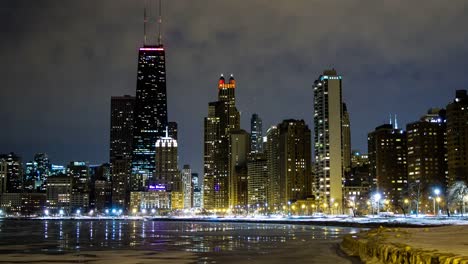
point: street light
(436, 192)
(377, 197)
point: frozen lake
(126, 241)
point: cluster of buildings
(286, 168)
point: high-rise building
(121, 130)
(328, 137)
(150, 110)
(427, 152)
(80, 176)
(14, 172)
(387, 157)
(239, 148)
(172, 130)
(295, 160)
(273, 165)
(457, 138)
(187, 186)
(3, 176)
(257, 172)
(346, 128)
(222, 118)
(167, 172)
(256, 134)
(59, 192)
(120, 181)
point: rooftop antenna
(145, 20)
(396, 122)
(160, 24)
(167, 132)
(390, 118)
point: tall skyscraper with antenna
(150, 112)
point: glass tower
(150, 113)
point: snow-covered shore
(446, 244)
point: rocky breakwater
(429, 245)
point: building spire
(390, 118)
(396, 122)
(167, 132)
(145, 21)
(160, 24)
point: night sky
(61, 61)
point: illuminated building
(457, 138)
(121, 130)
(59, 191)
(328, 137)
(187, 186)
(79, 174)
(273, 166)
(346, 128)
(427, 153)
(3, 176)
(36, 173)
(294, 161)
(150, 110)
(159, 200)
(167, 172)
(256, 134)
(257, 172)
(120, 181)
(14, 172)
(222, 118)
(387, 157)
(239, 148)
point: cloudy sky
(62, 60)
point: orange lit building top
(223, 85)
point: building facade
(328, 137)
(223, 117)
(256, 134)
(457, 138)
(239, 148)
(387, 158)
(427, 153)
(150, 113)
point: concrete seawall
(416, 245)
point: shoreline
(340, 222)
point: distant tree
(456, 195)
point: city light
(46, 212)
(78, 212)
(61, 212)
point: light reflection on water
(51, 236)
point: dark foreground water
(120, 241)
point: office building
(257, 172)
(256, 134)
(328, 137)
(457, 138)
(121, 130)
(223, 117)
(239, 148)
(273, 165)
(387, 158)
(427, 153)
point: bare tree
(457, 194)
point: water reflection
(156, 236)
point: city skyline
(77, 116)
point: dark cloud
(62, 60)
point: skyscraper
(457, 138)
(239, 148)
(256, 134)
(294, 161)
(427, 152)
(328, 133)
(222, 118)
(346, 128)
(14, 172)
(167, 172)
(150, 110)
(121, 130)
(273, 166)
(257, 172)
(187, 186)
(387, 157)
